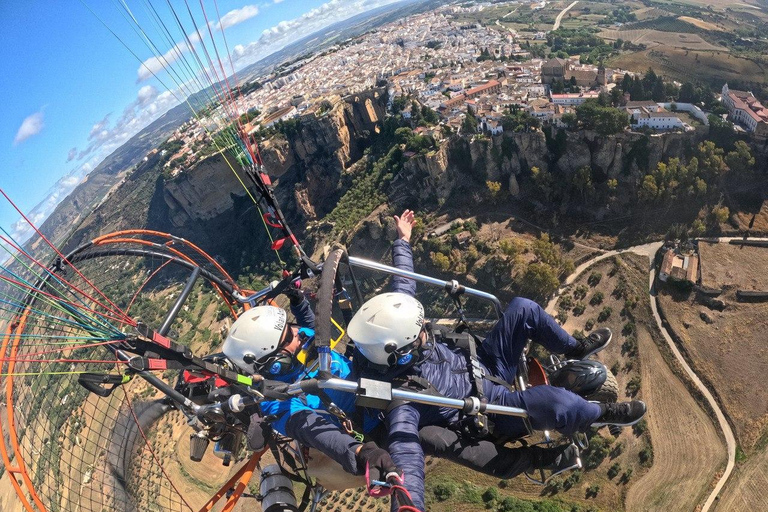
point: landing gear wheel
(608, 392)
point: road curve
(650, 251)
(730, 439)
(562, 13)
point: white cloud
(146, 95)
(236, 16)
(30, 127)
(21, 230)
(154, 65)
(98, 130)
(72, 154)
(289, 31)
(277, 1)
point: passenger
(392, 342)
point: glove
(376, 462)
(295, 295)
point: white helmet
(386, 324)
(254, 335)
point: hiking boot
(620, 413)
(595, 342)
(557, 459)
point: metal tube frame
(446, 285)
(348, 386)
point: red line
(59, 252)
(72, 286)
(74, 347)
(149, 446)
(59, 299)
(135, 295)
(100, 361)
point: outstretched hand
(404, 224)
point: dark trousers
(549, 408)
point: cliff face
(506, 159)
(204, 192)
(310, 159)
(308, 164)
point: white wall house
(573, 99)
(659, 120)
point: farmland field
(652, 38)
(733, 266)
(746, 488)
(727, 348)
(700, 23)
(687, 450)
(686, 65)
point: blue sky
(73, 93)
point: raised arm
(402, 256)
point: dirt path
(562, 13)
(686, 447)
(649, 250)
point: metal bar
(161, 385)
(348, 386)
(174, 312)
(447, 285)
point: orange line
(242, 477)
(114, 239)
(108, 238)
(3, 447)
(22, 470)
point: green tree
(740, 160)
(539, 281)
(720, 214)
(570, 120)
(440, 261)
(469, 123)
(582, 182)
(494, 188)
(544, 182)
(604, 120)
(710, 158)
(649, 190)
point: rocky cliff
(312, 159)
(460, 162)
(307, 159)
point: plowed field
(746, 488)
(687, 452)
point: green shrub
(580, 291)
(491, 494)
(579, 308)
(605, 314)
(633, 386)
(646, 455)
(589, 325)
(594, 279)
(444, 490)
(470, 493)
(596, 299)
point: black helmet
(581, 377)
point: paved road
(650, 251)
(562, 13)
